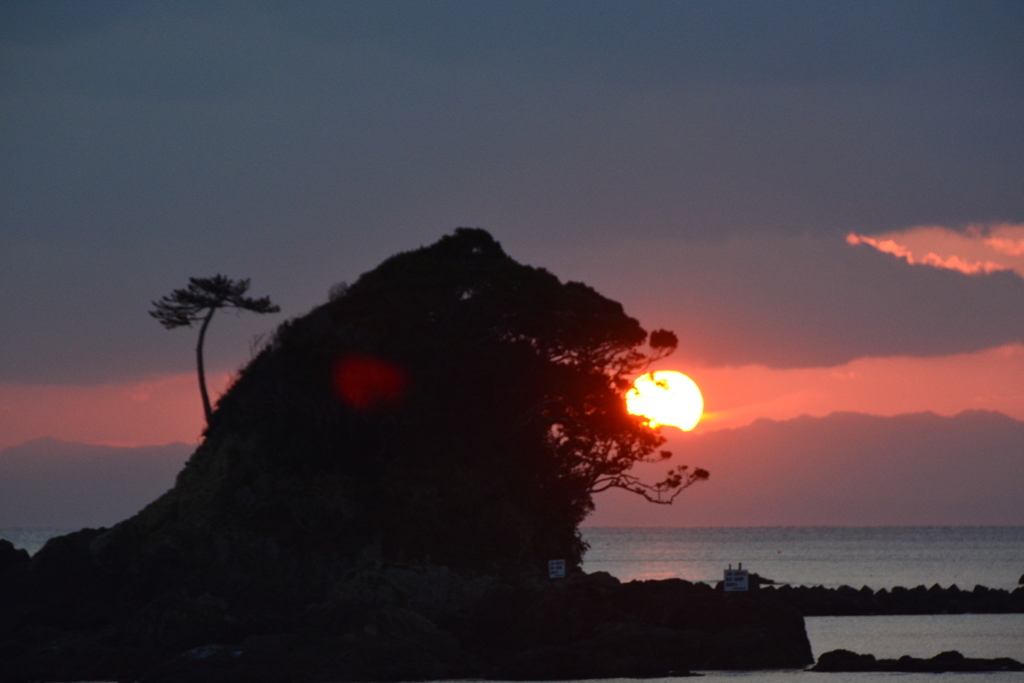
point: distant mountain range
(843, 469)
(57, 484)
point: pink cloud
(1011, 247)
(973, 251)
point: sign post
(736, 579)
(556, 569)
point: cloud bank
(302, 143)
(787, 302)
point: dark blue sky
(699, 161)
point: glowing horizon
(162, 409)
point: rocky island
(378, 496)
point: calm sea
(878, 557)
(826, 556)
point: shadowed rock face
(375, 499)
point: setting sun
(666, 397)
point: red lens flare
(368, 383)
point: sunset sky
(825, 201)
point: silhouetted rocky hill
(377, 498)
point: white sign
(556, 569)
(736, 580)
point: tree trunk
(207, 410)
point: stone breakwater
(818, 601)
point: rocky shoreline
(64, 619)
(384, 622)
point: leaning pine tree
(198, 302)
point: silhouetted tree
(199, 301)
(577, 351)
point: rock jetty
(817, 601)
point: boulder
(951, 661)
(845, 660)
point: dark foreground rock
(389, 622)
(952, 661)
(817, 601)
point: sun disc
(666, 397)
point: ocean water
(891, 637)
(831, 557)
(835, 556)
(878, 557)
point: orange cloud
(1011, 247)
(973, 251)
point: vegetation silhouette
(450, 406)
(199, 301)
